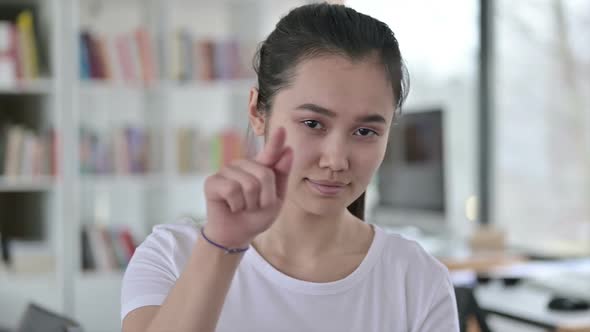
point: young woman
(284, 246)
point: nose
(335, 155)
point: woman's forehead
(341, 85)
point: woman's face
(337, 116)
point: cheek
(365, 160)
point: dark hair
(326, 29)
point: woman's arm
(243, 200)
(195, 301)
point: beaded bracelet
(227, 250)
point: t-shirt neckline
(256, 261)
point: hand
(245, 197)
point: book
(145, 55)
(92, 54)
(98, 248)
(119, 251)
(24, 153)
(53, 145)
(124, 56)
(206, 55)
(28, 45)
(7, 61)
(106, 248)
(128, 243)
(124, 150)
(15, 137)
(88, 262)
(103, 58)
(186, 56)
(3, 142)
(27, 50)
(85, 69)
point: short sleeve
(151, 272)
(441, 314)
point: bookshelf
(30, 183)
(39, 86)
(130, 95)
(26, 184)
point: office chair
(38, 319)
(467, 307)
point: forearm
(195, 301)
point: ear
(257, 119)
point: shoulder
(410, 256)
(424, 281)
(156, 264)
(420, 273)
(182, 232)
(168, 245)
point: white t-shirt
(397, 287)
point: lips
(326, 188)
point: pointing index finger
(273, 149)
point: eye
(313, 124)
(366, 132)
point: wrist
(223, 240)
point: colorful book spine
(7, 60)
(28, 45)
(146, 57)
(123, 46)
(106, 248)
(24, 153)
(85, 71)
(119, 151)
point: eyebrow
(331, 114)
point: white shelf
(232, 84)
(101, 276)
(103, 86)
(122, 180)
(140, 180)
(192, 177)
(24, 184)
(36, 87)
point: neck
(299, 234)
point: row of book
(207, 59)
(132, 58)
(106, 248)
(129, 150)
(19, 58)
(24, 153)
(198, 153)
(118, 151)
(127, 57)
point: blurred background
(112, 113)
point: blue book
(84, 56)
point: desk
(456, 254)
(481, 261)
(529, 305)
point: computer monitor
(411, 183)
